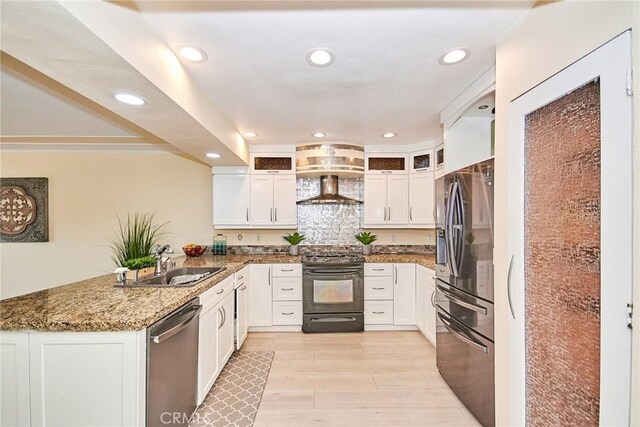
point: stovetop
(331, 258)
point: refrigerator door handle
(449, 231)
(461, 226)
(513, 314)
(458, 334)
(448, 295)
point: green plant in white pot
(294, 240)
(366, 238)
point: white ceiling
(29, 108)
(385, 78)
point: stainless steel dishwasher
(172, 367)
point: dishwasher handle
(185, 319)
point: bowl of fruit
(193, 250)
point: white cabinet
(285, 210)
(207, 349)
(386, 163)
(87, 378)
(272, 163)
(439, 155)
(378, 312)
(273, 200)
(386, 200)
(425, 303)
(421, 161)
(421, 299)
(404, 294)
(421, 199)
(287, 294)
(260, 300)
(14, 379)
(242, 306)
(231, 200)
(226, 346)
(430, 331)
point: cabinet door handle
(378, 289)
(273, 171)
(513, 314)
(378, 269)
(276, 214)
(240, 277)
(386, 172)
(378, 312)
(220, 291)
(389, 213)
(247, 214)
(220, 310)
(410, 213)
(433, 298)
(269, 276)
(288, 314)
(395, 279)
(271, 215)
(243, 288)
(286, 289)
(286, 269)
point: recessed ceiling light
(213, 155)
(454, 56)
(320, 57)
(389, 135)
(129, 98)
(192, 53)
(483, 107)
(250, 134)
(318, 135)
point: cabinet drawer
(242, 277)
(287, 270)
(214, 295)
(287, 289)
(378, 312)
(287, 313)
(378, 269)
(378, 288)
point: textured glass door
(569, 233)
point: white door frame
(611, 63)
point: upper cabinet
(231, 200)
(421, 161)
(439, 160)
(273, 201)
(468, 122)
(272, 163)
(386, 163)
(386, 200)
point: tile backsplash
(330, 224)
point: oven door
(333, 289)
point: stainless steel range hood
(329, 194)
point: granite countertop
(425, 260)
(95, 305)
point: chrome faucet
(166, 249)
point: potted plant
(366, 238)
(133, 247)
(294, 240)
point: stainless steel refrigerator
(464, 286)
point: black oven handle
(323, 272)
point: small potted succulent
(366, 238)
(294, 240)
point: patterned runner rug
(234, 398)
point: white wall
(548, 39)
(86, 192)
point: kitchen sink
(198, 274)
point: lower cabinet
(15, 409)
(215, 334)
(287, 294)
(378, 312)
(404, 294)
(242, 306)
(425, 303)
(226, 345)
(260, 295)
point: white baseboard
(275, 328)
(390, 328)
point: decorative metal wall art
(24, 210)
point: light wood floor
(358, 379)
